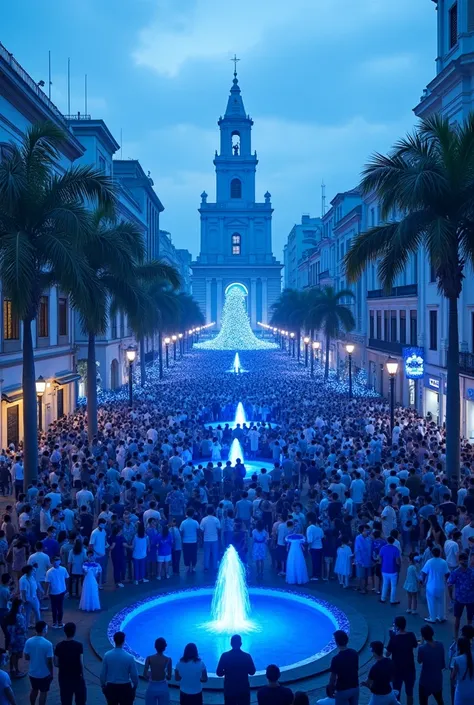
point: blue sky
(327, 83)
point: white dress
(90, 588)
(296, 570)
(343, 561)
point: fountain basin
(292, 629)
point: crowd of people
(348, 499)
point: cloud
(387, 66)
(206, 30)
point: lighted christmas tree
(235, 333)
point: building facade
(236, 230)
(300, 239)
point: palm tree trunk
(142, 361)
(160, 354)
(326, 368)
(453, 400)
(30, 407)
(91, 389)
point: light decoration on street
(236, 332)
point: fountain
(236, 364)
(292, 629)
(240, 417)
(230, 609)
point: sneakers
(315, 579)
(145, 580)
(120, 585)
(61, 626)
(55, 626)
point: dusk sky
(327, 83)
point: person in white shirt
(56, 589)
(389, 518)
(435, 573)
(28, 592)
(54, 496)
(210, 527)
(466, 533)
(40, 560)
(357, 490)
(189, 529)
(98, 543)
(85, 497)
(314, 537)
(39, 652)
(190, 673)
(452, 550)
(151, 513)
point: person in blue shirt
(461, 581)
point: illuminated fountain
(261, 615)
(236, 366)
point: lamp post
(190, 339)
(40, 390)
(131, 354)
(350, 350)
(174, 338)
(181, 344)
(316, 345)
(392, 369)
(167, 343)
(292, 344)
(306, 344)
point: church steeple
(235, 104)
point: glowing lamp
(180, 335)
(316, 345)
(40, 385)
(392, 366)
(167, 340)
(131, 353)
(174, 338)
(350, 348)
(306, 340)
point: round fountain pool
(288, 628)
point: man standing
(18, 474)
(119, 676)
(390, 566)
(210, 527)
(98, 543)
(68, 658)
(363, 557)
(435, 572)
(380, 677)
(401, 648)
(39, 652)
(236, 666)
(462, 580)
(56, 589)
(314, 537)
(344, 679)
(189, 531)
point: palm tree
(43, 223)
(329, 314)
(115, 256)
(429, 177)
(290, 311)
(190, 315)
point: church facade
(236, 231)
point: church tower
(236, 231)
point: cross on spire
(235, 60)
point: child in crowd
(343, 567)
(412, 583)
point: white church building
(236, 231)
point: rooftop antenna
(50, 83)
(323, 199)
(69, 86)
(85, 94)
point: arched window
(236, 188)
(236, 143)
(236, 244)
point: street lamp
(40, 390)
(167, 342)
(306, 344)
(392, 369)
(350, 350)
(291, 349)
(316, 345)
(131, 354)
(181, 344)
(174, 338)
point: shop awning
(66, 378)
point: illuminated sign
(413, 362)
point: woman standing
(139, 554)
(463, 673)
(15, 625)
(75, 560)
(259, 549)
(117, 553)
(90, 601)
(190, 673)
(152, 557)
(165, 545)
(157, 671)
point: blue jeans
(139, 568)
(210, 554)
(157, 693)
(32, 606)
(347, 697)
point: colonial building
(236, 230)
(300, 240)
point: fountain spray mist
(240, 414)
(230, 609)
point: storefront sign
(413, 362)
(432, 382)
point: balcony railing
(397, 291)
(325, 275)
(386, 346)
(466, 362)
